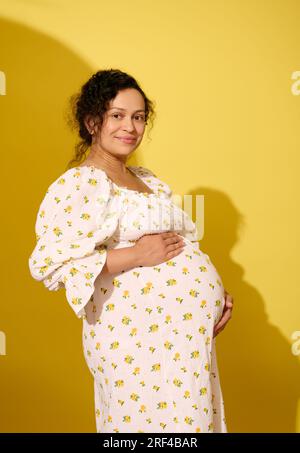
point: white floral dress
(147, 332)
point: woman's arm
(121, 259)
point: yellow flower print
(110, 327)
(89, 275)
(156, 367)
(157, 269)
(114, 345)
(189, 420)
(162, 296)
(133, 332)
(203, 268)
(142, 383)
(147, 288)
(179, 299)
(119, 383)
(136, 371)
(196, 374)
(162, 405)
(195, 354)
(126, 419)
(170, 263)
(48, 261)
(171, 282)
(203, 391)
(175, 419)
(197, 280)
(152, 349)
(212, 286)
(168, 319)
(148, 420)
(128, 359)
(138, 344)
(134, 397)
(156, 387)
(85, 216)
(76, 300)
(92, 181)
(198, 430)
(148, 310)
(207, 366)
(116, 283)
(42, 214)
(142, 409)
(203, 304)
(193, 293)
(168, 345)
(92, 333)
(98, 346)
(100, 368)
(136, 274)
(185, 270)
(176, 356)
(125, 294)
(58, 200)
(121, 402)
(202, 329)
(68, 209)
(207, 341)
(210, 427)
(218, 303)
(187, 316)
(163, 425)
(126, 320)
(97, 413)
(189, 337)
(110, 307)
(57, 231)
(153, 328)
(187, 394)
(177, 382)
(205, 409)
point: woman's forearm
(122, 259)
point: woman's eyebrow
(120, 108)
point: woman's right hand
(153, 249)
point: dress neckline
(123, 188)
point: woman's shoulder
(80, 178)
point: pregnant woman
(150, 300)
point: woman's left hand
(226, 315)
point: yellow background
(227, 127)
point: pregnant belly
(186, 288)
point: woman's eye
(136, 117)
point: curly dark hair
(93, 99)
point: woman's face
(124, 120)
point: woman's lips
(126, 140)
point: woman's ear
(89, 123)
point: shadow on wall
(259, 374)
(46, 385)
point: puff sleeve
(75, 218)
